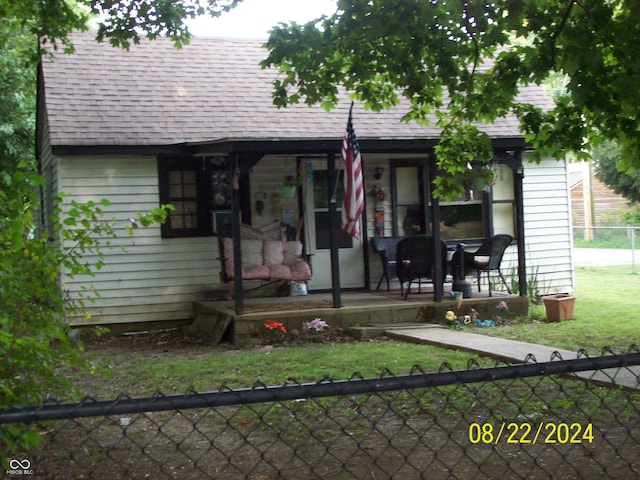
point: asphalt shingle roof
(210, 90)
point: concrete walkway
(508, 350)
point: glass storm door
(350, 250)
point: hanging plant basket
(289, 187)
(479, 184)
(479, 177)
(287, 191)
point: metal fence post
(633, 249)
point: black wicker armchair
(415, 260)
(486, 258)
(386, 248)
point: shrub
(34, 337)
(631, 216)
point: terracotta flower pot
(559, 307)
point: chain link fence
(620, 244)
(535, 420)
(626, 236)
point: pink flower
(317, 325)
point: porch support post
(518, 175)
(238, 294)
(333, 231)
(439, 271)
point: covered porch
(252, 166)
(219, 321)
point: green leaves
(606, 160)
(86, 232)
(465, 61)
(34, 308)
(123, 22)
(460, 144)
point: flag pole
(353, 194)
(334, 194)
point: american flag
(353, 197)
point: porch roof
(212, 92)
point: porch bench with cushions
(267, 260)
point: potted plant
(288, 188)
(481, 175)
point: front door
(350, 250)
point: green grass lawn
(606, 314)
(180, 367)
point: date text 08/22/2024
(528, 433)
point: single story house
(157, 125)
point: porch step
(211, 326)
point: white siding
(157, 278)
(265, 177)
(49, 172)
(547, 216)
(370, 163)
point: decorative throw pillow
(292, 252)
(273, 252)
(251, 251)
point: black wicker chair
(386, 248)
(415, 260)
(486, 258)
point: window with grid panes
(183, 195)
(185, 183)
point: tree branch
(467, 27)
(558, 31)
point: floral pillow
(273, 252)
(292, 252)
(251, 251)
